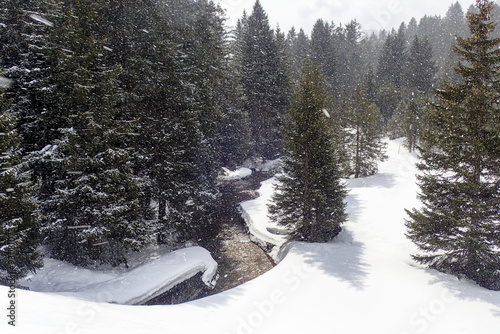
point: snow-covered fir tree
(19, 230)
(391, 72)
(458, 226)
(298, 44)
(175, 83)
(235, 140)
(324, 53)
(366, 146)
(24, 29)
(420, 69)
(413, 123)
(309, 200)
(90, 207)
(265, 85)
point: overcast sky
(372, 14)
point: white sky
(372, 14)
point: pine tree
(298, 44)
(19, 237)
(367, 148)
(204, 72)
(391, 73)
(370, 85)
(323, 52)
(90, 204)
(309, 200)
(454, 24)
(262, 78)
(24, 27)
(235, 138)
(414, 122)
(177, 87)
(421, 67)
(393, 58)
(458, 226)
(354, 64)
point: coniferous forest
(116, 118)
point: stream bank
(239, 259)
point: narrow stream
(239, 259)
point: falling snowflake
(40, 19)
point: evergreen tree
(367, 148)
(177, 86)
(264, 87)
(90, 205)
(388, 99)
(396, 123)
(323, 52)
(24, 26)
(19, 238)
(284, 76)
(391, 73)
(235, 138)
(454, 23)
(310, 197)
(298, 44)
(370, 85)
(411, 31)
(413, 123)
(421, 66)
(203, 70)
(458, 226)
(393, 59)
(354, 64)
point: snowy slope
(362, 282)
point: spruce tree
(352, 51)
(421, 67)
(298, 44)
(391, 72)
(19, 237)
(177, 87)
(458, 226)
(90, 204)
(414, 122)
(264, 83)
(24, 27)
(309, 200)
(235, 140)
(392, 60)
(323, 51)
(367, 148)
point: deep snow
(261, 228)
(136, 286)
(362, 282)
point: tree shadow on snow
(341, 259)
(463, 289)
(354, 208)
(379, 180)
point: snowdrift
(255, 215)
(137, 286)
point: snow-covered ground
(255, 215)
(240, 173)
(362, 282)
(136, 286)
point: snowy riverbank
(364, 281)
